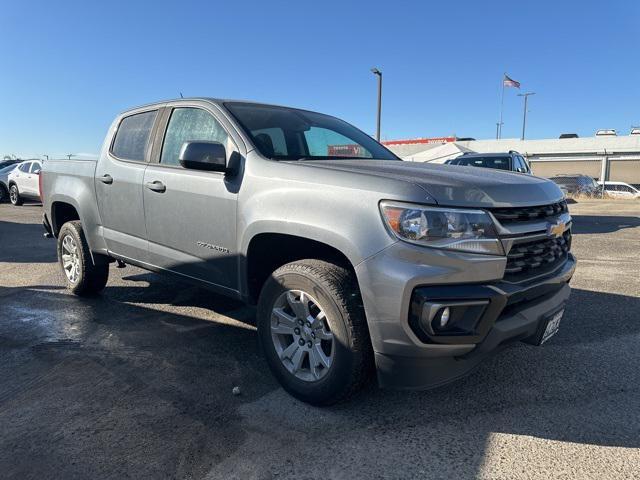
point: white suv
(24, 182)
(620, 190)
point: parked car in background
(23, 182)
(620, 190)
(354, 258)
(578, 184)
(606, 132)
(6, 163)
(4, 181)
(511, 161)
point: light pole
(377, 72)
(524, 116)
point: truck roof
(207, 99)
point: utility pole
(377, 72)
(497, 130)
(524, 116)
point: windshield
(283, 133)
(501, 163)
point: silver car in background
(4, 182)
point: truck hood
(454, 185)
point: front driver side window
(190, 124)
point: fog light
(444, 317)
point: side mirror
(201, 155)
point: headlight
(451, 228)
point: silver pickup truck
(357, 261)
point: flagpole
(499, 136)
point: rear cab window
(132, 137)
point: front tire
(83, 276)
(14, 195)
(313, 331)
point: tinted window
(133, 135)
(517, 164)
(274, 137)
(305, 134)
(25, 167)
(35, 167)
(189, 124)
(322, 142)
(565, 180)
(527, 168)
(500, 163)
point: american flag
(510, 82)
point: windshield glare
(281, 133)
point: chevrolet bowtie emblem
(556, 229)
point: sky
(67, 68)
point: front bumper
(392, 278)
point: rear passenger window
(133, 135)
(24, 167)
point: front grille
(526, 260)
(523, 214)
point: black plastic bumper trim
(504, 298)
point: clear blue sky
(67, 68)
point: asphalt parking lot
(137, 383)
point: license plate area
(552, 327)
(547, 328)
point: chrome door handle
(156, 186)
(106, 178)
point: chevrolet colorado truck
(357, 261)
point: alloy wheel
(70, 258)
(301, 335)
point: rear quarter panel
(72, 182)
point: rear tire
(14, 195)
(83, 277)
(330, 292)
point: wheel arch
(268, 250)
(61, 213)
(63, 209)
